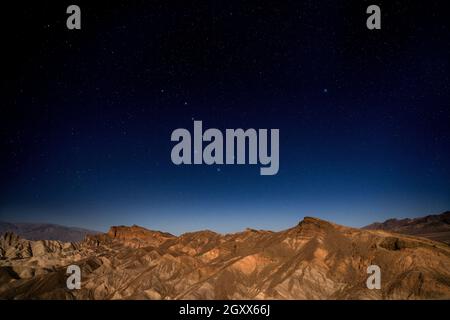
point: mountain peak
(137, 236)
(314, 221)
(117, 231)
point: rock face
(22, 259)
(12, 246)
(137, 237)
(314, 260)
(45, 231)
(434, 227)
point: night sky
(87, 114)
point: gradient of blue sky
(363, 116)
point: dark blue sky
(363, 115)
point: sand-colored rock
(314, 260)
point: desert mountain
(434, 227)
(45, 231)
(315, 259)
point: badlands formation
(315, 259)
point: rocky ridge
(314, 260)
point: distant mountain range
(314, 259)
(45, 231)
(435, 227)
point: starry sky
(87, 114)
